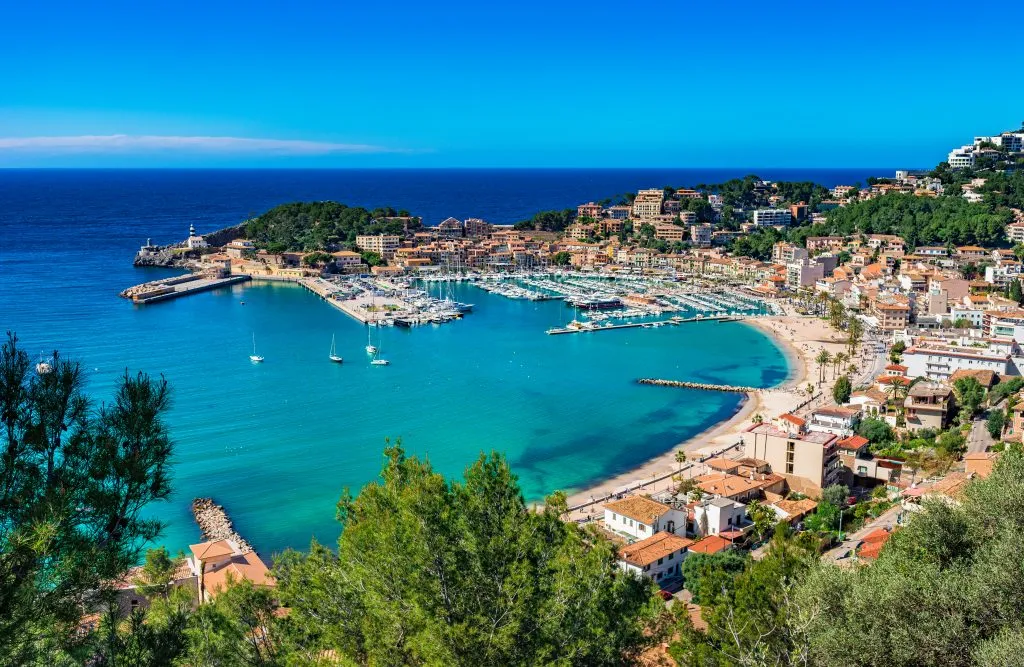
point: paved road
(979, 440)
(886, 520)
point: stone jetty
(697, 385)
(214, 523)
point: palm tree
(838, 360)
(809, 389)
(856, 333)
(681, 459)
(823, 359)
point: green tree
(562, 258)
(74, 480)
(157, 573)
(836, 494)
(702, 572)
(842, 389)
(875, 430)
(764, 519)
(1014, 292)
(431, 571)
(836, 315)
(969, 394)
(854, 336)
(371, 258)
(995, 424)
(823, 360)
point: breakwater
(697, 385)
(214, 523)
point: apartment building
(817, 244)
(784, 252)
(770, 217)
(961, 158)
(669, 233)
(588, 210)
(892, 314)
(929, 406)
(700, 235)
(648, 204)
(939, 359)
(1003, 273)
(809, 461)
(382, 244)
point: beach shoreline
(800, 338)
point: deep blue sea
(276, 443)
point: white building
(938, 360)
(1003, 273)
(642, 517)
(972, 315)
(961, 158)
(834, 420)
(770, 217)
(657, 557)
(194, 242)
(382, 244)
(723, 515)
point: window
(789, 468)
(660, 561)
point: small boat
(44, 366)
(380, 362)
(333, 356)
(255, 358)
(370, 349)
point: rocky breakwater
(697, 385)
(214, 523)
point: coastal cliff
(177, 256)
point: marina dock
(589, 327)
(178, 286)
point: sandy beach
(801, 338)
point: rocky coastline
(214, 523)
(177, 256)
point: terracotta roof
(724, 465)
(796, 508)
(209, 550)
(711, 544)
(836, 411)
(247, 566)
(952, 485)
(638, 508)
(896, 367)
(656, 546)
(793, 419)
(853, 442)
(722, 484)
(985, 377)
(872, 544)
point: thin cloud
(126, 143)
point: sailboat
(333, 356)
(370, 349)
(255, 358)
(377, 361)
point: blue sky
(526, 84)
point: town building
(383, 244)
(771, 217)
(807, 461)
(720, 516)
(648, 203)
(640, 517)
(928, 406)
(700, 235)
(657, 557)
(215, 563)
(588, 210)
(961, 158)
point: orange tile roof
(209, 550)
(853, 442)
(247, 566)
(719, 463)
(722, 484)
(793, 419)
(711, 544)
(872, 544)
(638, 508)
(796, 508)
(656, 546)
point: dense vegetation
(325, 225)
(548, 221)
(946, 590)
(74, 478)
(921, 220)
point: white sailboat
(333, 356)
(370, 348)
(377, 361)
(255, 358)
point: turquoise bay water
(277, 442)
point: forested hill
(323, 225)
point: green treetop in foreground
(462, 573)
(73, 481)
